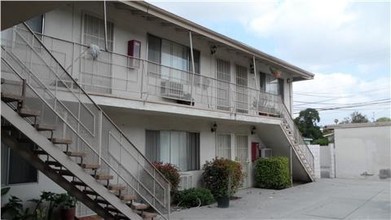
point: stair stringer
(40, 140)
(295, 149)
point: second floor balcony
(111, 74)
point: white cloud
(340, 89)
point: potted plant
(223, 178)
(67, 206)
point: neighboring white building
(179, 92)
(362, 150)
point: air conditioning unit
(171, 89)
(186, 181)
(266, 152)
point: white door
(242, 155)
(223, 84)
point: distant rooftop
(358, 125)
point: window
(177, 147)
(94, 32)
(270, 84)
(223, 84)
(15, 169)
(223, 146)
(172, 55)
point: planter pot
(68, 214)
(223, 202)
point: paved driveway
(323, 199)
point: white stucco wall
(315, 150)
(361, 150)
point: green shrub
(272, 173)
(194, 197)
(222, 177)
(171, 172)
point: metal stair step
(78, 183)
(60, 140)
(90, 166)
(139, 206)
(128, 198)
(40, 152)
(75, 154)
(25, 112)
(8, 97)
(103, 176)
(53, 163)
(116, 187)
(112, 209)
(90, 192)
(65, 172)
(45, 127)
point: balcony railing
(118, 75)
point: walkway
(323, 199)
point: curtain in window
(223, 146)
(176, 147)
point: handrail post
(100, 124)
(193, 68)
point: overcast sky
(346, 44)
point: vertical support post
(193, 67)
(100, 118)
(258, 85)
(105, 20)
(142, 78)
(290, 163)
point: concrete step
(103, 176)
(90, 166)
(75, 154)
(128, 198)
(116, 187)
(26, 112)
(60, 140)
(8, 97)
(45, 127)
(139, 206)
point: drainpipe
(105, 20)
(193, 67)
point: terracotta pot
(68, 214)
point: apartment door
(242, 155)
(223, 84)
(241, 89)
(223, 146)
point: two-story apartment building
(171, 90)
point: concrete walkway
(323, 199)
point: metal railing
(62, 102)
(119, 75)
(300, 145)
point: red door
(254, 151)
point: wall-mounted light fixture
(214, 127)
(213, 49)
(253, 129)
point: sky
(346, 44)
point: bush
(222, 177)
(171, 172)
(194, 197)
(272, 173)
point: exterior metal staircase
(295, 138)
(65, 135)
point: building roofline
(196, 28)
(358, 125)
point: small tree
(355, 117)
(383, 119)
(306, 122)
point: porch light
(253, 129)
(213, 49)
(214, 127)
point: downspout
(290, 163)
(105, 21)
(193, 67)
